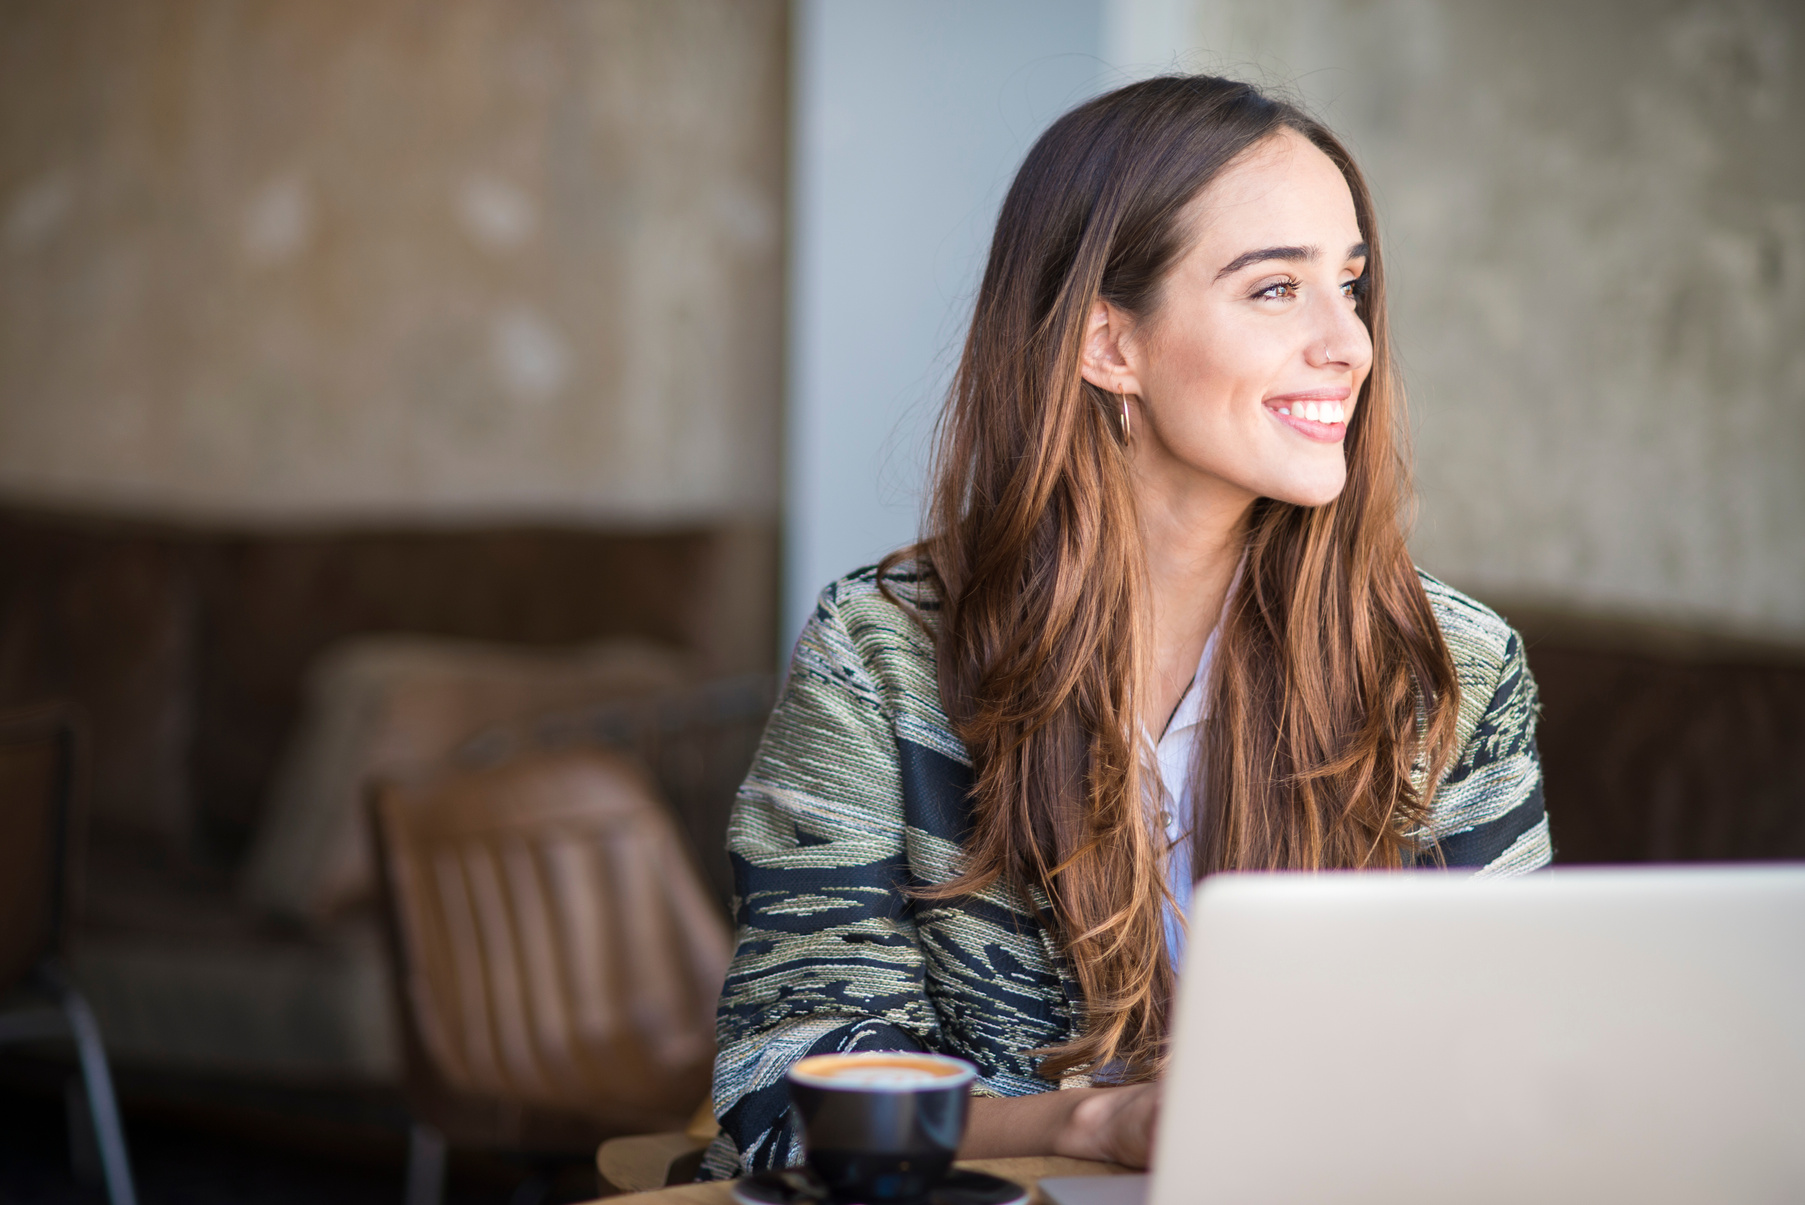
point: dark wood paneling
(1667, 746)
(104, 616)
(188, 647)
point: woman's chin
(1306, 475)
(1309, 493)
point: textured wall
(1595, 217)
(302, 259)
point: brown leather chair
(559, 957)
(41, 789)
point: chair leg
(425, 1165)
(109, 1136)
(84, 1150)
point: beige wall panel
(1595, 221)
(297, 260)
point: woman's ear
(1104, 358)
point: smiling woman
(1162, 623)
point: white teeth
(1316, 412)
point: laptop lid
(1632, 1034)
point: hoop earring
(1125, 431)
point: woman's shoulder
(1476, 635)
(873, 631)
(895, 597)
(1489, 662)
(1488, 811)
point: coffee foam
(882, 1071)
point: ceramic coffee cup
(881, 1125)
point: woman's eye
(1279, 291)
(1355, 288)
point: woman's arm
(1111, 1125)
(827, 956)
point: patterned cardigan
(858, 792)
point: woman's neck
(1193, 533)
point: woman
(1162, 623)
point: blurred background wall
(296, 261)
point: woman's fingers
(1114, 1125)
(1134, 1123)
(1117, 1124)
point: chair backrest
(39, 763)
(698, 743)
(557, 948)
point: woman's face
(1248, 368)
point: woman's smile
(1316, 414)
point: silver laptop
(1633, 1034)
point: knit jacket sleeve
(828, 957)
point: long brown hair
(1332, 686)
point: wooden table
(1026, 1172)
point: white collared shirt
(1176, 754)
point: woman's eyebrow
(1285, 254)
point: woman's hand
(1114, 1125)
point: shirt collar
(1192, 705)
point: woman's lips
(1319, 416)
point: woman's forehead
(1281, 192)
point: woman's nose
(1338, 336)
